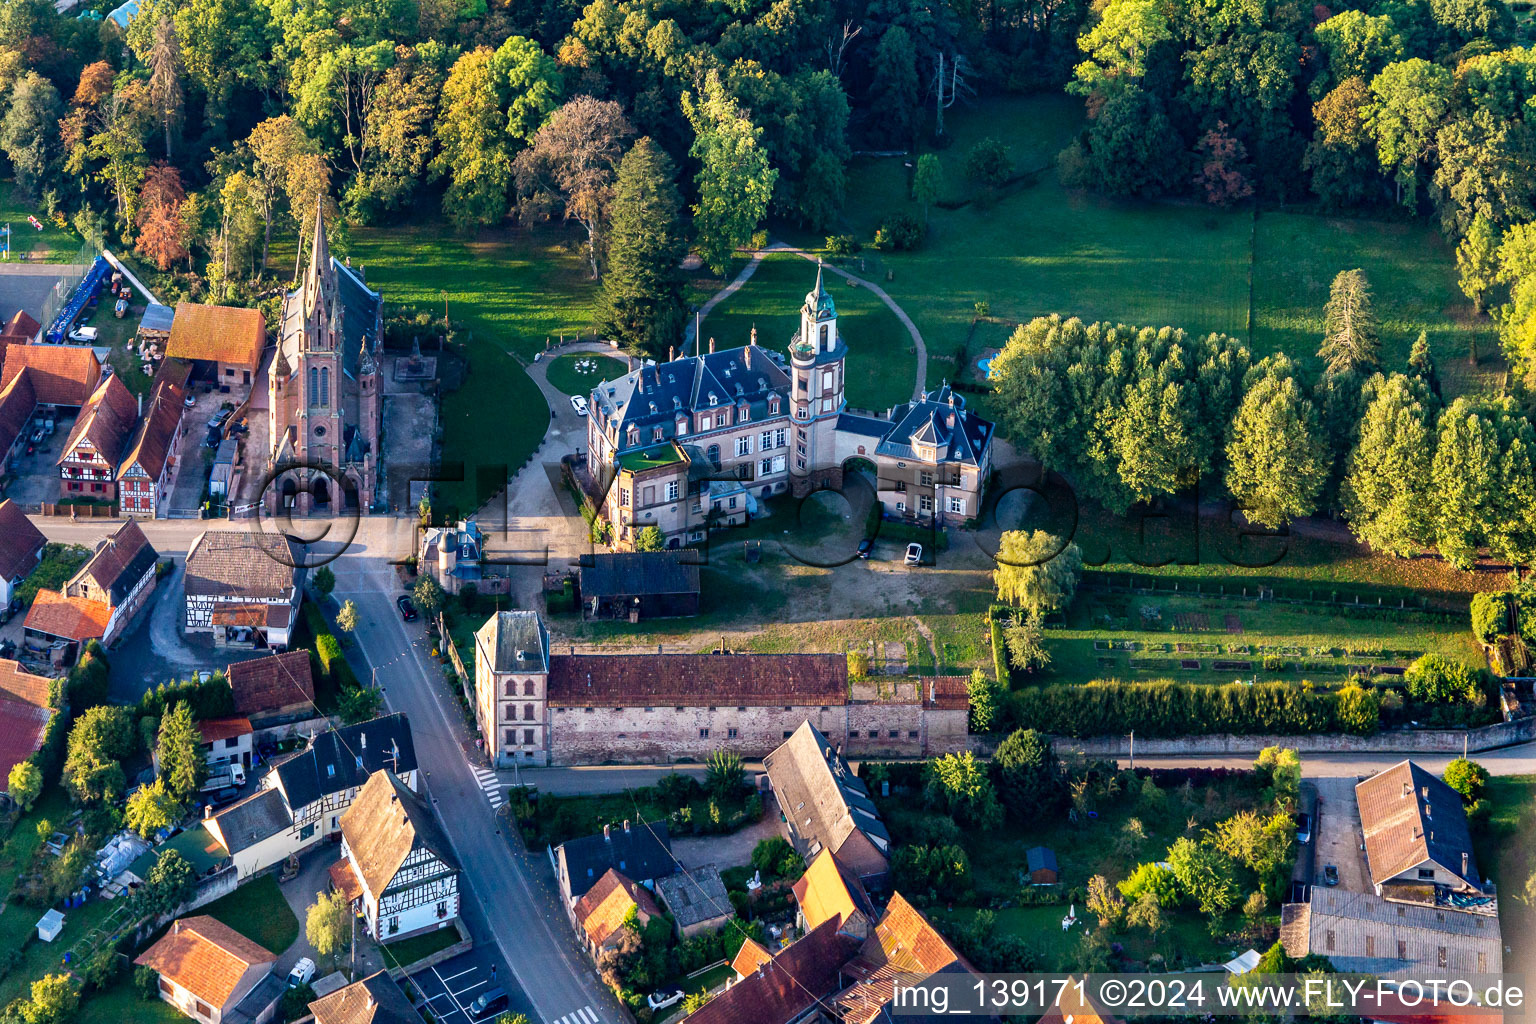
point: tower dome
(818, 301)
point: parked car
(407, 608)
(1303, 828)
(7, 648)
(219, 417)
(191, 401)
(579, 404)
(866, 546)
(301, 973)
(487, 1004)
(1330, 874)
(664, 997)
(224, 797)
(84, 334)
(914, 554)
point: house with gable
(93, 451)
(600, 913)
(376, 999)
(212, 973)
(1416, 834)
(147, 472)
(825, 806)
(243, 587)
(21, 549)
(407, 875)
(119, 574)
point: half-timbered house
(408, 878)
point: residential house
(208, 970)
(21, 549)
(376, 999)
(826, 807)
(696, 899)
(223, 343)
(642, 852)
(749, 958)
(229, 740)
(401, 857)
(18, 400)
(451, 555)
(1416, 835)
(697, 441)
(539, 707)
(94, 449)
(41, 379)
(148, 469)
(828, 890)
(274, 686)
(1361, 932)
(120, 574)
(637, 585)
(314, 789)
(904, 947)
(24, 715)
(790, 986)
(1040, 862)
(20, 329)
(244, 587)
(600, 914)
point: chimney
(754, 337)
(671, 352)
(626, 826)
(141, 405)
(641, 378)
(607, 833)
(711, 346)
(176, 928)
(1465, 866)
(362, 740)
(207, 812)
(1407, 789)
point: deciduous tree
(1037, 571)
(1275, 464)
(735, 182)
(1388, 485)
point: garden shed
(1041, 861)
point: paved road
(512, 898)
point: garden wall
(1416, 741)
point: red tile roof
(21, 686)
(119, 562)
(17, 400)
(226, 334)
(73, 618)
(602, 911)
(23, 325)
(271, 682)
(206, 957)
(826, 892)
(749, 958)
(906, 940)
(345, 881)
(759, 680)
(106, 421)
(152, 442)
(948, 692)
(61, 374)
(802, 974)
(21, 733)
(215, 729)
(21, 543)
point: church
(697, 442)
(323, 391)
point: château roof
(940, 421)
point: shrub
(842, 246)
(1160, 709)
(328, 649)
(1467, 778)
(1490, 616)
(1436, 679)
(987, 164)
(775, 858)
(146, 982)
(899, 231)
(1359, 709)
(1154, 879)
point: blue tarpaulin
(88, 289)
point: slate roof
(271, 682)
(244, 824)
(72, 618)
(827, 891)
(345, 758)
(868, 426)
(21, 543)
(225, 334)
(653, 396)
(640, 572)
(643, 852)
(1409, 816)
(802, 974)
(940, 420)
(376, 999)
(506, 634)
(205, 957)
(695, 896)
(819, 792)
(119, 562)
(155, 437)
(60, 374)
(21, 686)
(253, 1004)
(17, 400)
(242, 563)
(759, 680)
(602, 910)
(385, 825)
(106, 421)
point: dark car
(866, 546)
(1303, 828)
(407, 609)
(224, 797)
(1330, 874)
(487, 1004)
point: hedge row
(1168, 709)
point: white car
(579, 404)
(301, 973)
(84, 334)
(663, 998)
(914, 554)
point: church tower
(817, 357)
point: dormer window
(682, 426)
(677, 403)
(634, 435)
(773, 404)
(740, 390)
(656, 434)
(712, 399)
(653, 408)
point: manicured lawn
(258, 911)
(1043, 249)
(881, 359)
(557, 819)
(53, 244)
(120, 1003)
(117, 335)
(577, 373)
(37, 957)
(1506, 852)
(408, 951)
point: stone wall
(635, 735)
(1402, 741)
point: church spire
(319, 260)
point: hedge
(999, 652)
(1168, 709)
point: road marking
(490, 785)
(591, 1016)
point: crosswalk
(585, 1015)
(490, 785)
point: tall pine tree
(1350, 341)
(642, 298)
